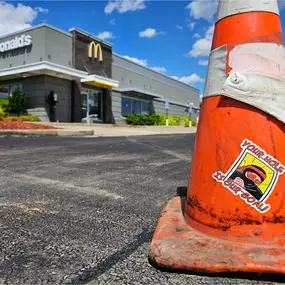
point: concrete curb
(62, 133)
(75, 133)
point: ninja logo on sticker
(252, 176)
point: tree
(17, 102)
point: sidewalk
(103, 130)
(100, 130)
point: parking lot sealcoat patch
(253, 176)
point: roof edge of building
(175, 103)
(43, 65)
(147, 68)
(90, 36)
(34, 28)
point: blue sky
(172, 37)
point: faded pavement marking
(34, 180)
(106, 157)
(161, 149)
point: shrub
(29, 118)
(2, 113)
(175, 121)
(156, 119)
(143, 120)
(24, 118)
(4, 103)
(193, 123)
(162, 120)
(10, 118)
(16, 102)
(149, 120)
(159, 120)
(132, 120)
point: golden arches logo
(96, 47)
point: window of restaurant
(5, 90)
(135, 106)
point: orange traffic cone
(233, 217)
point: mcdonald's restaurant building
(88, 79)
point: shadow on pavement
(91, 273)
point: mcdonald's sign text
(97, 49)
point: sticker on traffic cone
(233, 216)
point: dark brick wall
(81, 60)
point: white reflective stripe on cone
(233, 7)
(267, 59)
(260, 91)
(264, 58)
(216, 76)
(257, 76)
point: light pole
(190, 106)
(166, 109)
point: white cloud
(196, 36)
(149, 33)
(142, 62)
(203, 62)
(191, 79)
(124, 6)
(41, 10)
(105, 35)
(179, 27)
(18, 17)
(113, 22)
(201, 9)
(192, 26)
(202, 46)
(159, 69)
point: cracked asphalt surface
(83, 210)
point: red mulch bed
(12, 125)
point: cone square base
(179, 247)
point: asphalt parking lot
(83, 210)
